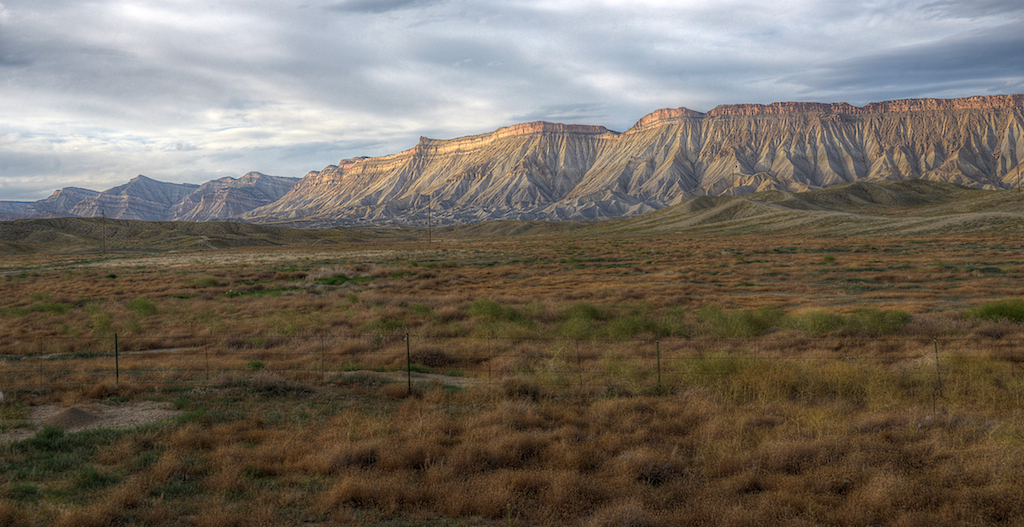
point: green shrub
(384, 325)
(578, 328)
(59, 308)
(1010, 309)
(584, 310)
(817, 322)
(23, 492)
(142, 307)
(741, 323)
(90, 479)
(422, 310)
(491, 311)
(342, 279)
(255, 365)
(876, 322)
(207, 281)
(629, 326)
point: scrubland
(577, 380)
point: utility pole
(732, 189)
(103, 231)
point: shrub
(384, 325)
(58, 308)
(1009, 309)
(342, 279)
(23, 492)
(630, 326)
(491, 311)
(585, 311)
(578, 328)
(207, 281)
(817, 322)
(740, 324)
(142, 307)
(877, 322)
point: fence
(924, 368)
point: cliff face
(550, 171)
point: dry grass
(793, 389)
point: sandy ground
(91, 415)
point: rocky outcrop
(553, 172)
(901, 106)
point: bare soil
(91, 415)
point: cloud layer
(92, 94)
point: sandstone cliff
(551, 171)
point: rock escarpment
(555, 172)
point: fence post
(323, 359)
(40, 346)
(938, 378)
(579, 364)
(117, 363)
(408, 361)
(657, 345)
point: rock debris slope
(557, 172)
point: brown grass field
(586, 376)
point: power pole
(103, 231)
(732, 189)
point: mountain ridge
(863, 208)
(546, 171)
(551, 171)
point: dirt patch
(71, 419)
(87, 416)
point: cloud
(188, 91)
(958, 66)
(375, 6)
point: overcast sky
(94, 93)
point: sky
(95, 93)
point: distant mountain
(230, 198)
(557, 172)
(8, 206)
(59, 204)
(548, 171)
(889, 208)
(143, 198)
